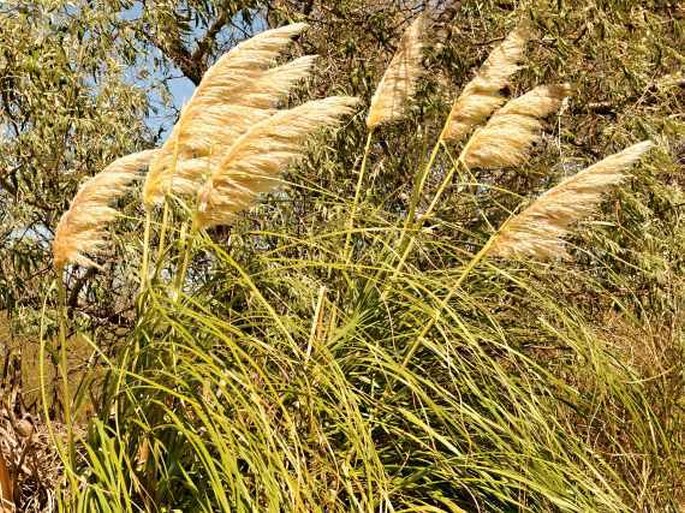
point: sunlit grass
(281, 383)
(361, 352)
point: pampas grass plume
(483, 94)
(240, 89)
(506, 139)
(538, 230)
(80, 230)
(399, 80)
(252, 165)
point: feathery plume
(81, 228)
(538, 230)
(399, 81)
(239, 90)
(252, 165)
(183, 173)
(509, 134)
(483, 94)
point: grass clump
(413, 361)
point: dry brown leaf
(6, 488)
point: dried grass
(6, 487)
(483, 94)
(81, 228)
(399, 80)
(32, 463)
(252, 165)
(538, 230)
(507, 138)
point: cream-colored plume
(184, 174)
(81, 228)
(399, 81)
(538, 231)
(506, 139)
(252, 165)
(483, 94)
(240, 89)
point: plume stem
(64, 367)
(406, 242)
(406, 247)
(188, 247)
(162, 233)
(443, 185)
(477, 258)
(145, 264)
(174, 164)
(419, 184)
(357, 193)
(424, 217)
(56, 441)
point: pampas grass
(538, 230)
(399, 80)
(81, 228)
(239, 90)
(282, 370)
(251, 166)
(483, 94)
(506, 139)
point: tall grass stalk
(145, 258)
(67, 454)
(64, 368)
(347, 251)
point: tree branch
(192, 65)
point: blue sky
(180, 87)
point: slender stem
(64, 365)
(162, 233)
(187, 242)
(441, 189)
(165, 214)
(347, 252)
(145, 265)
(57, 441)
(419, 184)
(452, 291)
(406, 242)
